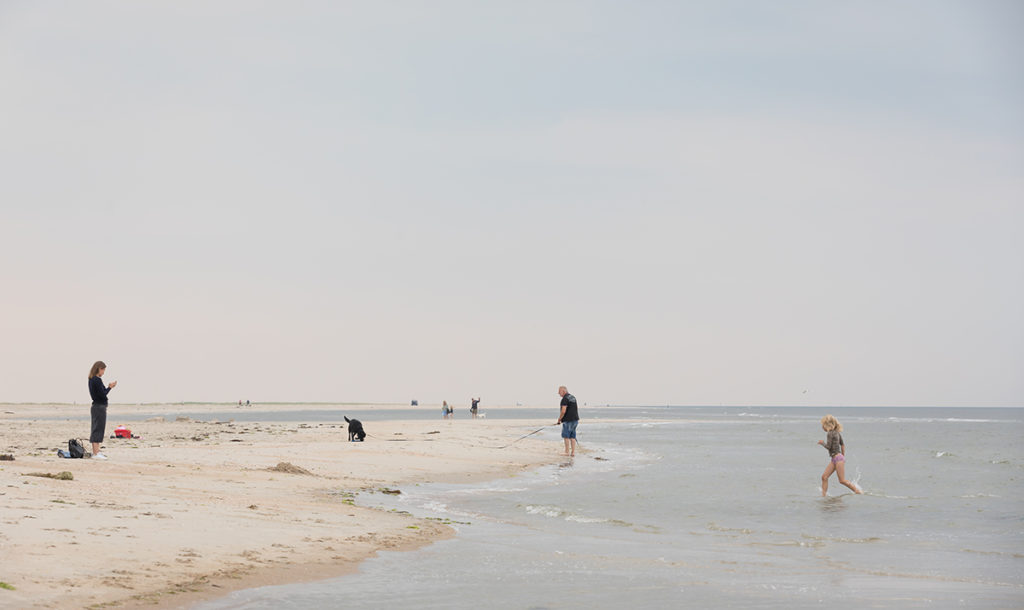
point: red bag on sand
(122, 432)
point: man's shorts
(569, 429)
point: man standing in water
(569, 417)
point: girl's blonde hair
(829, 422)
(96, 368)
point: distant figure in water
(836, 453)
(476, 404)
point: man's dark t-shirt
(572, 412)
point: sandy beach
(196, 508)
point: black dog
(355, 430)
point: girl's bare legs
(841, 469)
(824, 478)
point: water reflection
(833, 504)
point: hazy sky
(649, 202)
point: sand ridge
(195, 509)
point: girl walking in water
(837, 454)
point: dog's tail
(347, 419)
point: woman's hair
(96, 368)
(829, 422)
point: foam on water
(487, 490)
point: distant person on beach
(569, 417)
(837, 454)
(98, 392)
(473, 409)
(446, 411)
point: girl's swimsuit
(838, 458)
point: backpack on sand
(75, 448)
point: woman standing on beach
(836, 452)
(98, 392)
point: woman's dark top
(98, 391)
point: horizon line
(596, 405)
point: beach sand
(195, 509)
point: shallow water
(713, 507)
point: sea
(712, 507)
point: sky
(703, 203)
